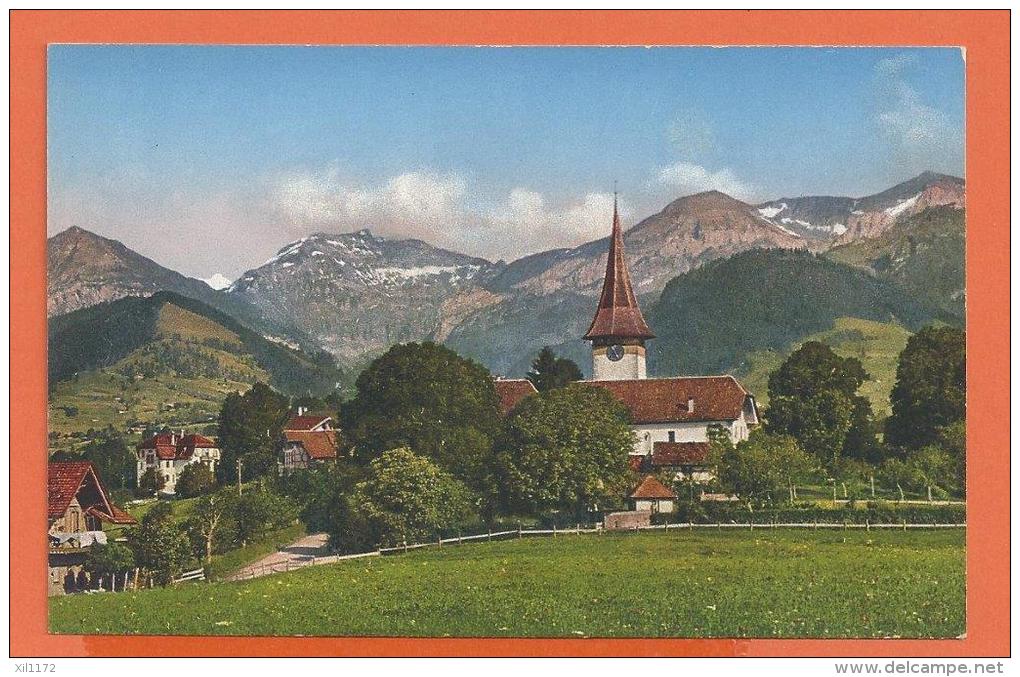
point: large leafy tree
(196, 479)
(406, 497)
(109, 559)
(429, 398)
(813, 397)
(160, 544)
(249, 426)
(565, 449)
(548, 371)
(760, 468)
(931, 387)
(114, 461)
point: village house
(307, 440)
(671, 417)
(510, 392)
(77, 507)
(652, 496)
(169, 453)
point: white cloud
(920, 135)
(688, 178)
(441, 209)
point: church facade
(671, 417)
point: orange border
(984, 34)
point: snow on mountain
(218, 281)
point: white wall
(630, 366)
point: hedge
(874, 512)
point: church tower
(618, 332)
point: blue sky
(209, 159)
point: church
(671, 417)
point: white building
(671, 417)
(169, 454)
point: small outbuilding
(653, 496)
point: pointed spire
(618, 314)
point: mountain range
(354, 294)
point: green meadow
(702, 583)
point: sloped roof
(618, 314)
(170, 446)
(320, 445)
(306, 421)
(652, 488)
(666, 400)
(511, 391)
(68, 479)
(679, 453)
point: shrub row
(874, 512)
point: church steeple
(618, 315)
(618, 332)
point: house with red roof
(652, 495)
(671, 417)
(307, 440)
(77, 507)
(169, 453)
(511, 391)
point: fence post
(904, 525)
(490, 534)
(554, 529)
(690, 525)
(751, 523)
(577, 530)
(519, 534)
(867, 524)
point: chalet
(653, 496)
(671, 417)
(511, 391)
(77, 507)
(307, 440)
(169, 453)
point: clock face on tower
(615, 352)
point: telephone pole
(239, 477)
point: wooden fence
(257, 571)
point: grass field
(876, 344)
(782, 583)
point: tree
(565, 449)
(196, 479)
(249, 427)
(406, 497)
(260, 511)
(150, 482)
(109, 559)
(931, 387)
(160, 544)
(213, 523)
(115, 463)
(934, 469)
(813, 397)
(548, 371)
(429, 398)
(761, 467)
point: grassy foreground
(782, 583)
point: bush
(149, 483)
(112, 558)
(196, 479)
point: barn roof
(306, 421)
(679, 453)
(652, 488)
(68, 479)
(511, 391)
(320, 445)
(681, 399)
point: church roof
(511, 391)
(652, 488)
(618, 314)
(676, 400)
